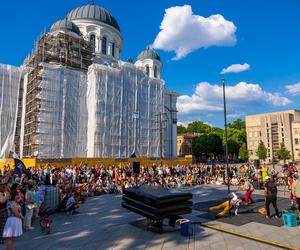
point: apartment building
(184, 144)
(273, 129)
(296, 139)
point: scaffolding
(62, 48)
(123, 105)
(69, 53)
(10, 78)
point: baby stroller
(45, 221)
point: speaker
(256, 163)
(136, 167)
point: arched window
(93, 40)
(147, 69)
(155, 71)
(113, 49)
(103, 47)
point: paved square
(103, 224)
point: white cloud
(235, 116)
(208, 98)
(184, 32)
(293, 89)
(236, 68)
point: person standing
(13, 225)
(271, 196)
(264, 172)
(248, 187)
(29, 203)
(296, 191)
(4, 196)
(292, 197)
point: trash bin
(186, 228)
(289, 219)
(51, 199)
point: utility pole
(226, 144)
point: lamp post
(226, 144)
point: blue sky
(267, 38)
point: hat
(267, 177)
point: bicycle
(45, 222)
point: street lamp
(226, 143)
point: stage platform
(247, 214)
(157, 204)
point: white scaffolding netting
(10, 78)
(63, 115)
(123, 106)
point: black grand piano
(157, 204)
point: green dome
(148, 54)
(65, 24)
(93, 12)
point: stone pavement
(103, 224)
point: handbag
(31, 206)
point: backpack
(272, 189)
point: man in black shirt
(271, 196)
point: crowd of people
(22, 195)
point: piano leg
(173, 219)
(155, 225)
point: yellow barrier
(33, 162)
(29, 162)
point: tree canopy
(181, 129)
(207, 146)
(208, 136)
(283, 153)
(243, 152)
(261, 151)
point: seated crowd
(77, 183)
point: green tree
(261, 151)
(181, 129)
(243, 152)
(283, 153)
(207, 146)
(198, 127)
(237, 124)
(237, 132)
(233, 149)
(199, 146)
(215, 145)
(217, 131)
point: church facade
(77, 98)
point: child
(292, 199)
